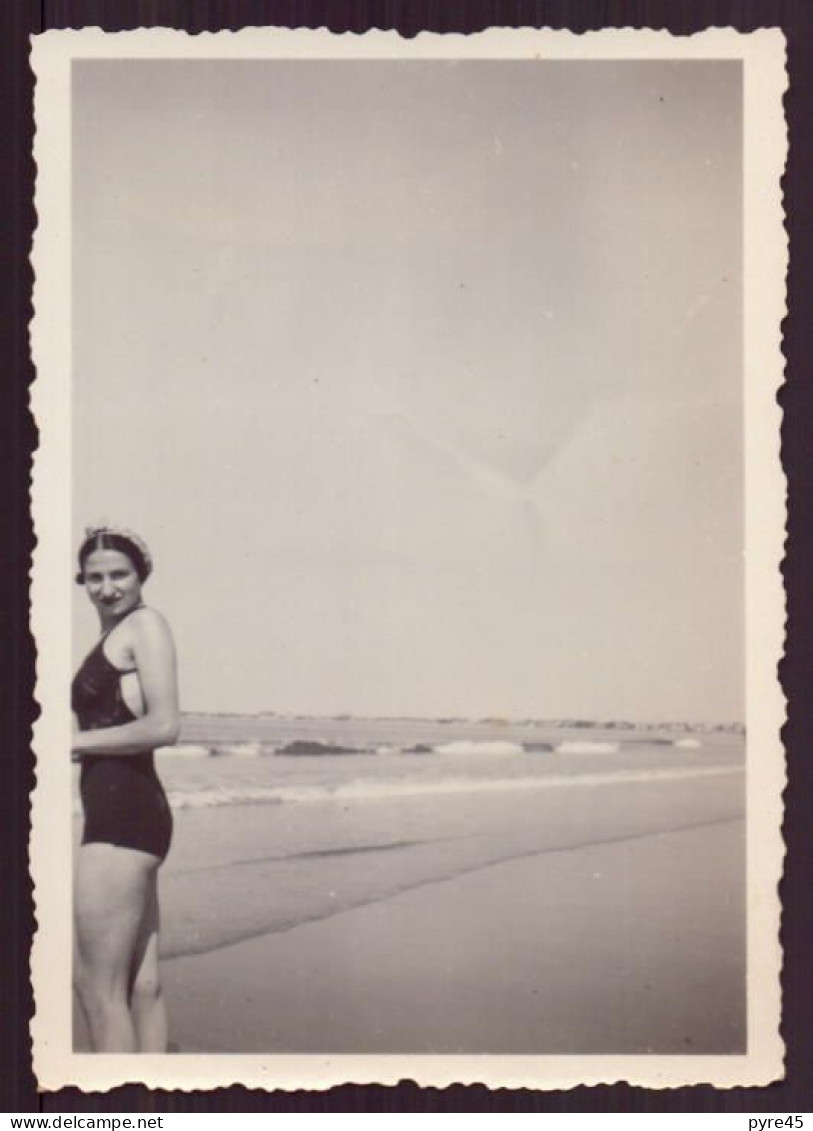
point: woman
(125, 700)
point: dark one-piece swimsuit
(122, 799)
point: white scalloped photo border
(763, 57)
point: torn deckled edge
(762, 55)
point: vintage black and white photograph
(407, 594)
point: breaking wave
(315, 748)
(373, 791)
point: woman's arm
(154, 655)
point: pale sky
(422, 380)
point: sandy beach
(597, 911)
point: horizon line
(496, 720)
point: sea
(231, 760)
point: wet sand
(628, 947)
(604, 918)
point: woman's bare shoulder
(148, 623)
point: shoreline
(605, 919)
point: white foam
(187, 750)
(214, 798)
(688, 743)
(588, 747)
(240, 749)
(479, 748)
(372, 791)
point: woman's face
(112, 583)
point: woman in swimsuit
(125, 700)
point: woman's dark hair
(105, 540)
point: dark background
(20, 18)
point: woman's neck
(108, 623)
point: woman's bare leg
(112, 887)
(147, 1004)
